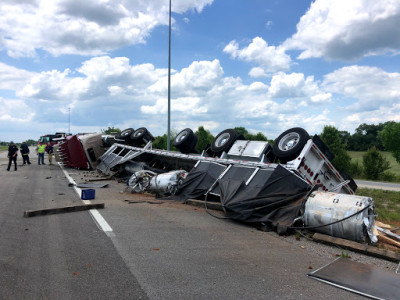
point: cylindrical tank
(325, 208)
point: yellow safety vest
(41, 148)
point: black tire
(125, 134)
(184, 139)
(108, 141)
(224, 141)
(190, 148)
(141, 136)
(289, 144)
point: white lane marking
(101, 222)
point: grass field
(394, 166)
(3, 148)
(387, 204)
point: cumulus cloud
(295, 85)
(257, 72)
(82, 27)
(269, 58)
(107, 91)
(187, 105)
(347, 30)
(370, 87)
(13, 78)
(14, 110)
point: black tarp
(199, 180)
(273, 196)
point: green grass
(394, 166)
(3, 148)
(387, 203)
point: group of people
(40, 150)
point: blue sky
(263, 65)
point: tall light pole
(69, 119)
(169, 81)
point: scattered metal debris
(362, 279)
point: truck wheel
(141, 136)
(125, 134)
(184, 140)
(224, 141)
(190, 148)
(289, 144)
(108, 141)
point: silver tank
(324, 208)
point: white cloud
(295, 85)
(82, 27)
(13, 78)
(187, 105)
(14, 110)
(371, 87)
(348, 30)
(257, 72)
(108, 91)
(269, 58)
(199, 77)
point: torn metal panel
(325, 208)
(360, 278)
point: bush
(355, 169)
(389, 176)
(374, 164)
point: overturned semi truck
(290, 184)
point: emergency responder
(50, 150)
(12, 155)
(40, 152)
(25, 153)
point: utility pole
(169, 81)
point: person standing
(40, 151)
(50, 150)
(12, 155)
(25, 153)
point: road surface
(378, 185)
(158, 251)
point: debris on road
(359, 278)
(58, 210)
(92, 185)
(357, 247)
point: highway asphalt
(378, 185)
(166, 250)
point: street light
(69, 120)
(169, 80)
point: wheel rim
(222, 139)
(138, 133)
(181, 136)
(289, 141)
(125, 133)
